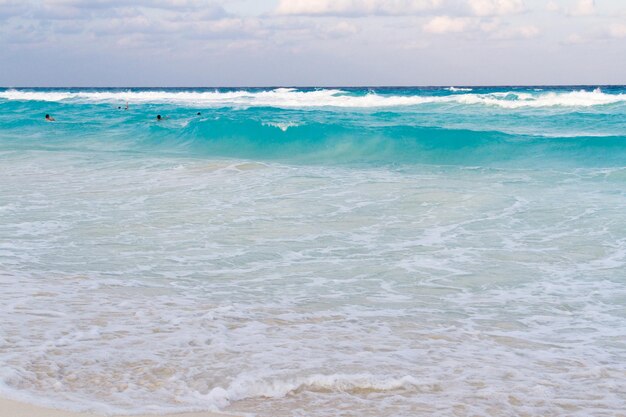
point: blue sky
(311, 42)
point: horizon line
(334, 86)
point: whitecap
(291, 98)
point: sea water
(315, 252)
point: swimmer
(159, 117)
(49, 118)
(198, 114)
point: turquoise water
(288, 252)
(521, 126)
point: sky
(311, 42)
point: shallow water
(416, 252)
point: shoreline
(12, 408)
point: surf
(317, 98)
(297, 251)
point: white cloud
(553, 6)
(140, 23)
(493, 28)
(618, 31)
(446, 24)
(108, 4)
(529, 31)
(583, 8)
(496, 7)
(354, 7)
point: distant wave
(293, 98)
(457, 89)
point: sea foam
(293, 98)
(271, 256)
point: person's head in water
(198, 114)
(119, 107)
(49, 118)
(158, 117)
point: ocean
(315, 252)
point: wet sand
(10, 408)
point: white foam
(513, 100)
(282, 125)
(245, 388)
(304, 290)
(457, 89)
(291, 98)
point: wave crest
(246, 388)
(293, 98)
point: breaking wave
(294, 98)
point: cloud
(608, 33)
(553, 6)
(137, 23)
(25, 34)
(111, 4)
(579, 8)
(95, 9)
(583, 8)
(491, 28)
(352, 8)
(155, 31)
(496, 7)
(11, 8)
(618, 30)
(446, 24)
